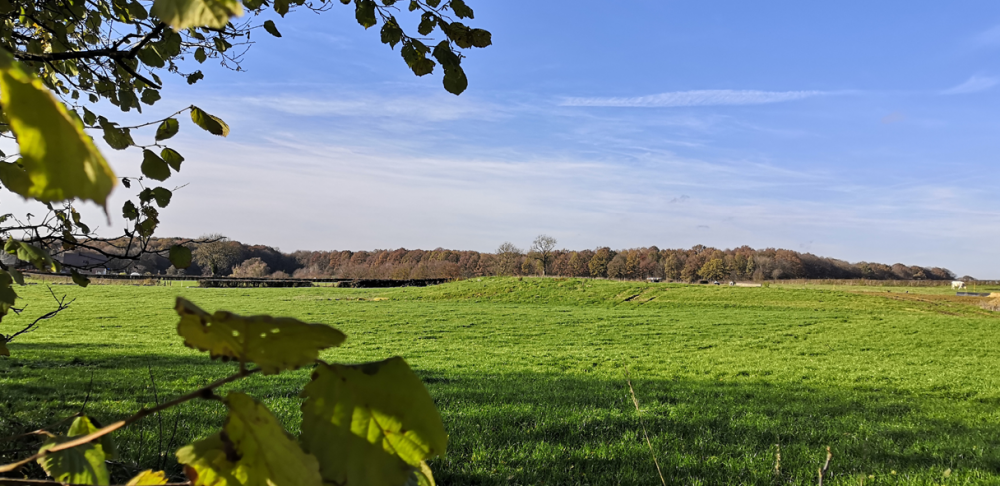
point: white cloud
(430, 108)
(974, 84)
(706, 97)
(989, 37)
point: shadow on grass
(557, 429)
(560, 429)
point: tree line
(219, 256)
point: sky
(865, 131)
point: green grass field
(529, 376)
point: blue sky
(856, 130)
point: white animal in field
(958, 284)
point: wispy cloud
(974, 84)
(705, 97)
(989, 37)
(430, 108)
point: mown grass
(529, 377)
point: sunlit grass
(529, 376)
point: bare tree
(541, 250)
(506, 262)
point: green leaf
(274, 344)
(3, 347)
(180, 256)
(455, 81)
(151, 57)
(79, 279)
(271, 29)
(137, 11)
(212, 124)
(172, 158)
(370, 424)
(89, 118)
(162, 196)
(422, 66)
(281, 7)
(181, 14)
(14, 177)
(16, 275)
(252, 449)
(364, 12)
(167, 129)
(78, 465)
(461, 10)
(7, 295)
(460, 34)
(59, 159)
(117, 138)
(427, 21)
(445, 56)
(195, 77)
(391, 33)
(413, 5)
(150, 96)
(129, 211)
(153, 166)
(199, 55)
(481, 38)
(148, 477)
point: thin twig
(41, 431)
(62, 305)
(204, 392)
(86, 399)
(639, 413)
(159, 417)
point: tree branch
(204, 392)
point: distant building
(86, 261)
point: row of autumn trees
(225, 257)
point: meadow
(530, 377)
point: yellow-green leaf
(59, 159)
(212, 124)
(84, 425)
(370, 424)
(3, 348)
(168, 128)
(77, 465)
(274, 344)
(182, 14)
(148, 477)
(252, 449)
(29, 253)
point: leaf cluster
(60, 60)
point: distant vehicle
(715, 282)
(135, 274)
